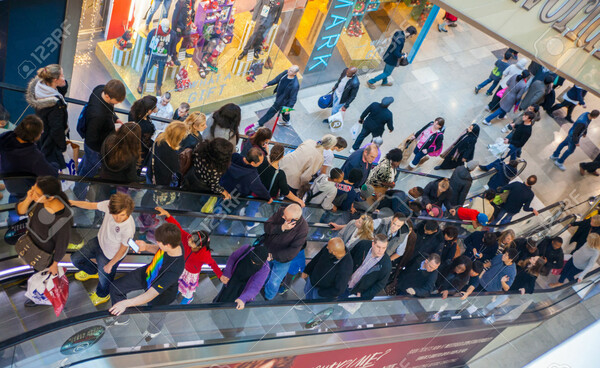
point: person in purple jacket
(244, 275)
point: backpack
(438, 150)
(310, 195)
(81, 123)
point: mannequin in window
(266, 13)
(160, 44)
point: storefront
(211, 52)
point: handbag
(501, 197)
(326, 101)
(501, 92)
(403, 60)
(31, 254)
(185, 160)
(15, 231)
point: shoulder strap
(273, 180)
(152, 163)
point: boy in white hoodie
(323, 190)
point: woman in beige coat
(305, 161)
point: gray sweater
(585, 259)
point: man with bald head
(285, 234)
(328, 273)
(344, 91)
(286, 92)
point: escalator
(196, 333)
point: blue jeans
(88, 167)
(503, 217)
(154, 8)
(513, 152)
(364, 133)
(161, 61)
(485, 83)
(82, 260)
(336, 105)
(498, 113)
(278, 272)
(310, 292)
(387, 71)
(418, 156)
(567, 142)
(272, 112)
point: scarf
(43, 90)
(154, 267)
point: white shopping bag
(498, 148)
(356, 128)
(36, 286)
(336, 122)
(69, 156)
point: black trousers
(570, 107)
(591, 166)
(136, 280)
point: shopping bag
(36, 287)
(356, 128)
(501, 92)
(501, 197)
(325, 101)
(498, 148)
(407, 147)
(57, 291)
(336, 122)
(71, 169)
(209, 206)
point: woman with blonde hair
(46, 94)
(506, 239)
(582, 262)
(305, 161)
(196, 124)
(356, 230)
(163, 168)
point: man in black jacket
(460, 183)
(328, 273)
(344, 91)
(429, 239)
(521, 135)
(419, 278)
(374, 119)
(285, 234)
(100, 120)
(551, 250)
(520, 196)
(392, 56)
(286, 93)
(372, 267)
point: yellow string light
(85, 57)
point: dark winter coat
(53, 112)
(421, 281)
(427, 243)
(243, 178)
(460, 184)
(504, 174)
(520, 196)
(284, 245)
(100, 120)
(376, 277)
(350, 90)
(329, 275)
(287, 95)
(430, 195)
(375, 117)
(393, 54)
(463, 148)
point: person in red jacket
(197, 253)
(468, 214)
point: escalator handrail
(14, 88)
(71, 321)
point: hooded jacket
(400, 238)
(394, 51)
(514, 91)
(376, 116)
(329, 275)
(460, 184)
(244, 178)
(12, 154)
(512, 70)
(52, 109)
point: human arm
(425, 289)
(258, 188)
(365, 113)
(147, 247)
(579, 131)
(390, 123)
(506, 281)
(276, 80)
(292, 197)
(120, 307)
(353, 92)
(57, 130)
(527, 204)
(466, 294)
(214, 266)
(120, 253)
(23, 206)
(254, 284)
(85, 204)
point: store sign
(339, 12)
(440, 351)
(563, 35)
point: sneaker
(30, 304)
(325, 121)
(351, 150)
(185, 301)
(476, 90)
(482, 168)
(505, 129)
(388, 84)
(149, 336)
(124, 321)
(370, 85)
(74, 246)
(485, 122)
(487, 109)
(488, 93)
(284, 123)
(83, 276)
(553, 158)
(250, 227)
(581, 170)
(242, 55)
(96, 300)
(560, 166)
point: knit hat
(472, 165)
(387, 101)
(482, 219)
(435, 211)
(367, 191)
